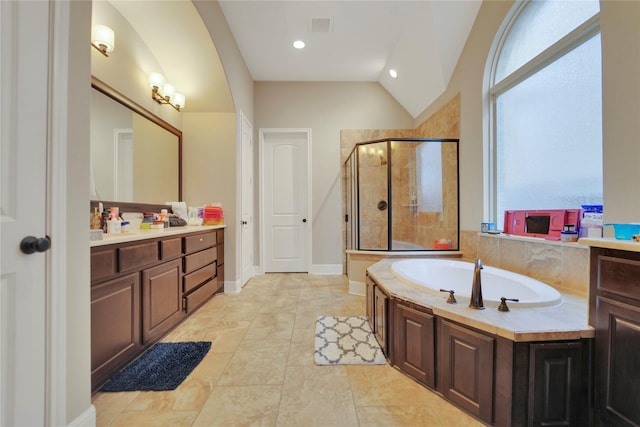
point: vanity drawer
(170, 248)
(194, 279)
(136, 256)
(199, 296)
(199, 241)
(103, 264)
(199, 259)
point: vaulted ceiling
(346, 41)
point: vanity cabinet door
(465, 368)
(115, 325)
(413, 336)
(380, 310)
(369, 300)
(161, 299)
(617, 363)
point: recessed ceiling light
(298, 44)
(393, 73)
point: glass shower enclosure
(402, 195)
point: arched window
(545, 94)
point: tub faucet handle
(503, 303)
(451, 299)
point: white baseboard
(232, 287)
(357, 288)
(326, 269)
(86, 419)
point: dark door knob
(31, 244)
(244, 222)
(304, 219)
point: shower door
(373, 196)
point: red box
(546, 223)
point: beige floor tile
(192, 393)
(241, 406)
(413, 416)
(392, 387)
(276, 326)
(155, 419)
(257, 362)
(301, 354)
(316, 396)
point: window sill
(538, 240)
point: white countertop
(110, 239)
(610, 243)
(568, 320)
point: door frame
(246, 164)
(264, 133)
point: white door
(285, 200)
(24, 35)
(247, 199)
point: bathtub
(435, 274)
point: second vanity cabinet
(499, 381)
(614, 311)
(141, 290)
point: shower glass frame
(435, 214)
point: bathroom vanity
(144, 284)
(523, 367)
(614, 310)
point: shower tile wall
(562, 265)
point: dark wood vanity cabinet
(380, 310)
(378, 313)
(142, 290)
(466, 368)
(499, 381)
(414, 342)
(614, 310)
(161, 300)
(369, 285)
(115, 325)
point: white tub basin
(436, 274)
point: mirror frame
(122, 99)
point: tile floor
(260, 369)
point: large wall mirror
(135, 155)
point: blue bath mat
(163, 367)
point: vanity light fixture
(103, 38)
(165, 93)
(393, 73)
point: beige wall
(620, 25)
(208, 173)
(326, 108)
(467, 81)
(241, 86)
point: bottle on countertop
(96, 220)
(165, 217)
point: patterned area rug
(346, 341)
